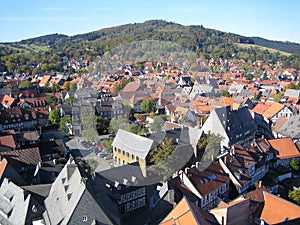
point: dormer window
(84, 219)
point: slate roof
(134, 144)
(6, 171)
(292, 93)
(13, 204)
(291, 127)
(64, 195)
(236, 122)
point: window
(84, 218)
(123, 152)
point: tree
(209, 145)
(25, 84)
(102, 125)
(295, 195)
(90, 135)
(277, 97)
(65, 124)
(69, 100)
(73, 86)
(89, 122)
(107, 144)
(294, 164)
(54, 117)
(52, 99)
(226, 94)
(55, 88)
(162, 158)
(158, 123)
(148, 105)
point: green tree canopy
(54, 117)
(277, 97)
(25, 84)
(107, 143)
(148, 105)
(65, 124)
(162, 158)
(55, 88)
(209, 145)
(294, 164)
(52, 99)
(158, 123)
(73, 86)
(295, 195)
(124, 124)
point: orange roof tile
(273, 110)
(277, 210)
(185, 212)
(284, 148)
(3, 165)
(45, 79)
(8, 141)
(7, 100)
(226, 101)
(131, 87)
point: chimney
(198, 165)
(186, 170)
(259, 184)
(225, 160)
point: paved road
(103, 164)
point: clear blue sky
(271, 19)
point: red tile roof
(16, 158)
(207, 186)
(185, 212)
(284, 148)
(277, 210)
(273, 110)
(8, 141)
(3, 165)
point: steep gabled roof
(6, 171)
(64, 195)
(273, 110)
(14, 203)
(277, 210)
(45, 79)
(134, 144)
(185, 212)
(209, 179)
(291, 128)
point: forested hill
(193, 37)
(290, 47)
(203, 41)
